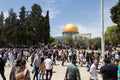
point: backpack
(21, 75)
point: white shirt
(81, 56)
(93, 72)
(48, 63)
(70, 53)
(60, 52)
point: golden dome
(70, 28)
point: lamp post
(102, 27)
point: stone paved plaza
(58, 71)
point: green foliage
(11, 20)
(113, 32)
(29, 29)
(96, 43)
(52, 39)
(46, 28)
(81, 42)
(35, 21)
(107, 42)
(1, 19)
(88, 42)
(113, 35)
(22, 17)
(69, 40)
(115, 13)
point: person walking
(70, 55)
(54, 57)
(42, 68)
(2, 70)
(36, 64)
(12, 72)
(80, 57)
(93, 71)
(72, 72)
(49, 67)
(109, 70)
(19, 71)
(63, 58)
(32, 58)
(11, 58)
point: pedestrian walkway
(58, 71)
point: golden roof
(70, 28)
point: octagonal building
(70, 30)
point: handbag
(33, 70)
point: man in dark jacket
(109, 70)
(2, 70)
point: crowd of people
(43, 59)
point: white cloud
(5, 14)
(50, 1)
(54, 13)
(82, 29)
(94, 30)
(53, 9)
(57, 31)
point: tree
(51, 39)
(81, 42)
(89, 43)
(38, 25)
(1, 27)
(32, 29)
(1, 19)
(22, 17)
(69, 40)
(35, 24)
(11, 20)
(10, 26)
(22, 26)
(1, 37)
(46, 28)
(115, 14)
(96, 43)
(112, 34)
